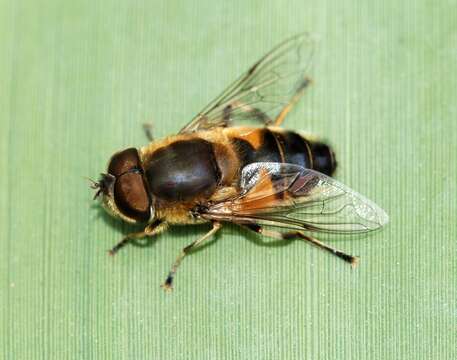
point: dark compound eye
(124, 161)
(131, 196)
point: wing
(290, 196)
(264, 90)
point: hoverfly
(219, 169)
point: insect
(221, 169)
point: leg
(147, 127)
(238, 107)
(150, 230)
(168, 284)
(301, 89)
(353, 260)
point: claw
(168, 284)
(168, 288)
(354, 261)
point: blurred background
(79, 78)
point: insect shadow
(123, 228)
(192, 232)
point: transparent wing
(264, 90)
(290, 196)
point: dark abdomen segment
(267, 145)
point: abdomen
(196, 166)
(277, 145)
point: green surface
(77, 80)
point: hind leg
(353, 260)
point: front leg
(147, 128)
(152, 229)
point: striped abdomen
(271, 145)
(196, 166)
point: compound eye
(124, 161)
(131, 197)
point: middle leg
(168, 284)
(241, 111)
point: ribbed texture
(77, 81)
